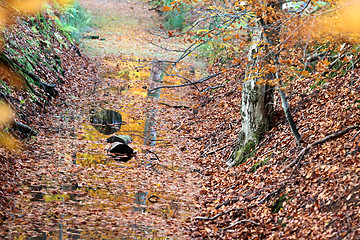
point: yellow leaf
(5, 113)
(7, 141)
(27, 6)
(65, 2)
(3, 17)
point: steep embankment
(38, 62)
(283, 191)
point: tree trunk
(289, 118)
(256, 102)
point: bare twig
(270, 194)
(354, 136)
(239, 222)
(157, 157)
(174, 106)
(216, 150)
(218, 215)
(231, 187)
(198, 81)
(228, 202)
(307, 148)
(208, 88)
(167, 49)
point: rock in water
(119, 138)
(121, 151)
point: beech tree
(262, 68)
(256, 102)
(282, 44)
(262, 59)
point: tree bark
(289, 118)
(256, 102)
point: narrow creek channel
(80, 191)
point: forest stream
(77, 183)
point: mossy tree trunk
(256, 102)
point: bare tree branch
(198, 81)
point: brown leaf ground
(320, 194)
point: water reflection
(140, 199)
(117, 200)
(156, 78)
(106, 121)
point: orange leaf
(166, 8)
(305, 73)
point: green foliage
(174, 19)
(259, 165)
(75, 21)
(277, 206)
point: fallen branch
(216, 150)
(307, 148)
(24, 129)
(157, 157)
(218, 215)
(228, 202)
(271, 194)
(354, 136)
(239, 222)
(231, 187)
(212, 88)
(174, 106)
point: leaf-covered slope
(283, 190)
(39, 63)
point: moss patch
(258, 165)
(244, 153)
